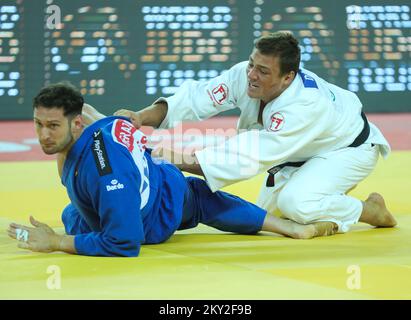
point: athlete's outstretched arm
(42, 238)
(184, 161)
(151, 116)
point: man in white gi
(311, 137)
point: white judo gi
(312, 121)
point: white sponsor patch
(115, 185)
(219, 94)
(277, 122)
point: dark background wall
(126, 53)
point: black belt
(361, 138)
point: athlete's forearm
(64, 243)
(191, 165)
(153, 115)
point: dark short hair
(283, 45)
(60, 95)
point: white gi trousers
(317, 190)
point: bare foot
(376, 213)
(301, 231)
(325, 228)
(296, 230)
(316, 229)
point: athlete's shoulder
(112, 140)
(312, 89)
(309, 80)
(240, 65)
(239, 69)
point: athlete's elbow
(133, 249)
(129, 248)
(124, 248)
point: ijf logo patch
(277, 122)
(219, 94)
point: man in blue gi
(120, 196)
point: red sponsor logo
(142, 143)
(219, 94)
(124, 132)
(277, 122)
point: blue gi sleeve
(117, 200)
(73, 222)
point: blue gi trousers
(220, 210)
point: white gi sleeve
(252, 152)
(199, 100)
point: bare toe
(325, 228)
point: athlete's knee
(196, 180)
(198, 185)
(295, 206)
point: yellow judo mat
(204, 263)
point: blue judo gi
(122, 198)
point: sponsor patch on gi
(219, 94)
(277, 122)
(115, 185)
(123, 132)
(100, 154)
(126, 134)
